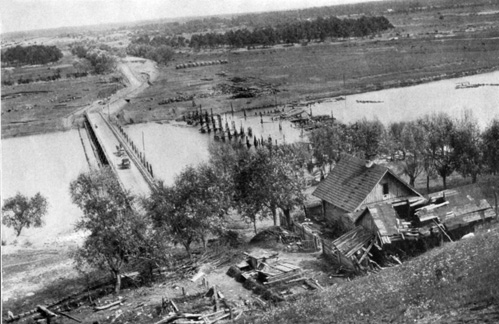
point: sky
(19, 15)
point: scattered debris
(270, 278)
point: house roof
(349, 183)
(353, 240)
(310, 200)
(463, 205)
(385, 217)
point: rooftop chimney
(369, 161)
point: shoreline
(307, 99)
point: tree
(367, 136)
(467, 147)
(21, 212)
(33, 54)
(101, 63)
(490, 146)
(116, 233)
(162, 54)
(267, 179)
(328, 143)
(79, 50)
(412, 142)
(439, 128)
(286, 180)
(192, 208)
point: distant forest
(285, 33)
(318, 29)
(275, 18)
(34, 54)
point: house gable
(351, 185)
(388, 188)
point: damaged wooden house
(375, 208)
(354, 184)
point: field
(41, 107)
(421, 48)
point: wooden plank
(99, 308)
(215, 295)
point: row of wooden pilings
(138, 153)
(211, 122)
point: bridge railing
(136, 160)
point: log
(175, 308)
(99, 308)
(215, 296)
(318, 284)
(239, 315)
(70, 317)
(220, 317)
(168, 319)
(45, 312)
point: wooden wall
(395, 189)
(366, 221)
(335, 215)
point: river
(47, 163)
(409, 103)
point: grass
(320, 70)
(455, 283)
(27, 112)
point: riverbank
(264, 78)
(394, 100)
(50, 107)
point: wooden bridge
(107, 141)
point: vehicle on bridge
(125, 163)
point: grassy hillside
(456, 283)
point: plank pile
(352, 250)
(272, 279)
(220, 313)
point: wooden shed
(354, 184)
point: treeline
(33, 54)
(161, 54)
(434, 145)
(156, 48)
(318, 29)
(274, 18)
(199, 204)
(92, 61)
(159, 40)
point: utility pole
(143, 145)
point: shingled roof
(349, 183)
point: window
(385, 189)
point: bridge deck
(131, 179)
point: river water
(47, 163)
(169, 148)
(409, 103)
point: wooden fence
(310, 239)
